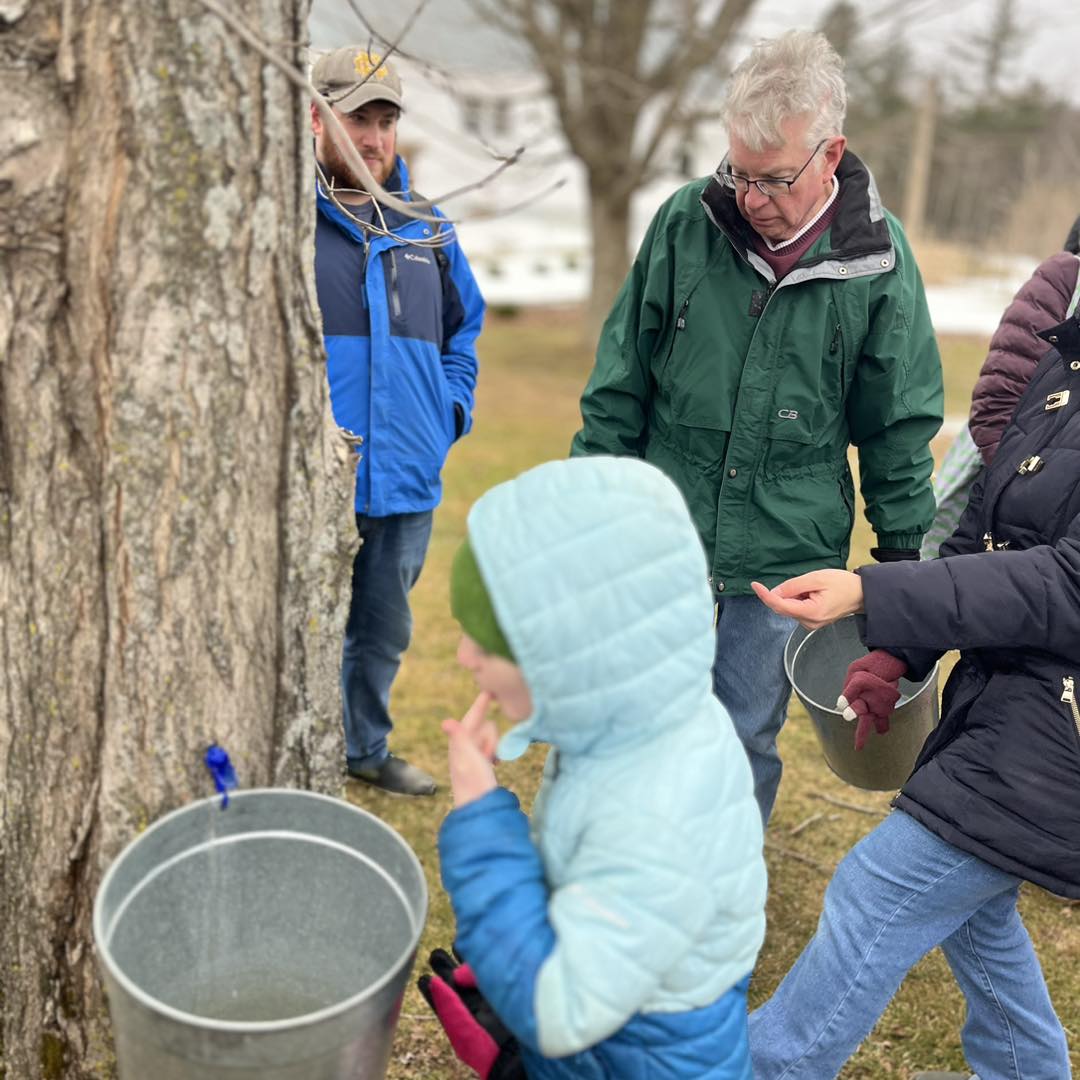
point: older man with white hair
(774, 316)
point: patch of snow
(975, 305)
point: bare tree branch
(413, 208)
(518, 17)
(607, 65)
(392, 47)
(674, 75)
(695, 47)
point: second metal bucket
(816, 663)
(271, 940)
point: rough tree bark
(174, 501)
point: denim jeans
(899, 892)
(749, 679)
(386, 567)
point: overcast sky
(448, 34)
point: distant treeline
(1004, 168)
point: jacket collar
(858, 227)
(1065, 337)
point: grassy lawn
(532, 371)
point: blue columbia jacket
(615, 931)
(400, 324)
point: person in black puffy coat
(994, 798)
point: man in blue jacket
(401, 314)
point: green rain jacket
(747, 393)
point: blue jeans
(386, 567)
(899, 892)
(749, 679)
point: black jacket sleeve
(992, 599)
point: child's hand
(471, 752)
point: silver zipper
(394, 295)
(1068, 695)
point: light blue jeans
(899, 892)
(386, 567)
(749, 678)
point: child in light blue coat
(612, 935)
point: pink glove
(478, 1036)
(871, 692)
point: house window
(471, 110)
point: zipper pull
(988, 541)
(680, 322)
(1067, 692)
(835, 340)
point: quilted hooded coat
(1016, 348)
(999, 777)
(614, 931)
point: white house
(486, 101)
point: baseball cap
(351, 76)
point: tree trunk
(174, 503)
(609, 220)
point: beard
(339, 172)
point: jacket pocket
(847, 496)
(792, 438)
(693, 458)
(701, 445)
(678, 326)
(792, 425)
(837, 353)
(795, 420)
(447, 399)
(1069, 697)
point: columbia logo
(416, 258)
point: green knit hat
(470, 604)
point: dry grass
(533, 369)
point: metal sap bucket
(816, 663)
(272, 940)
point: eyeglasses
(769, 185)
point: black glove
(894, 554)
(478, 1036)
